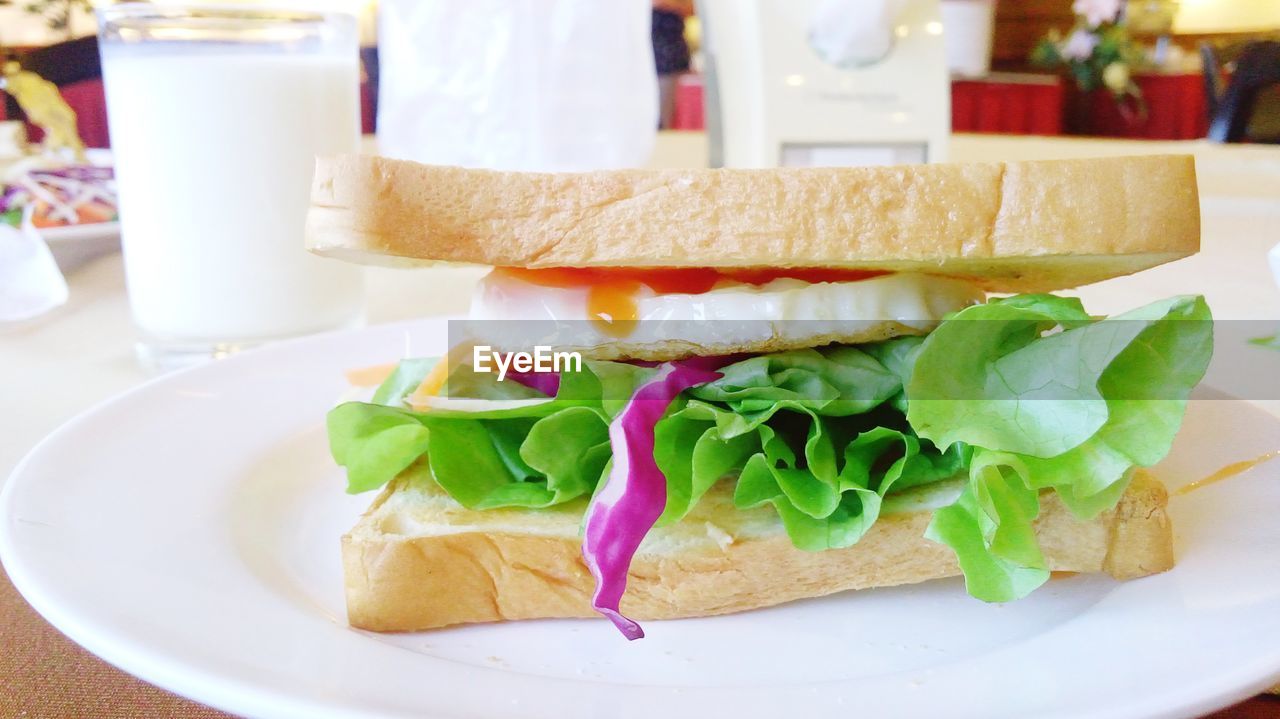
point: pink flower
(1079, 46)
(1096, 12)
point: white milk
(214, 149)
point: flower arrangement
(1098, 52)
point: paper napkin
(30, 281)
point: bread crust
(1011, 227)
(405, 574)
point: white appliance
(825, 82)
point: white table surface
(55, 366)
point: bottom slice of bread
(418, 560)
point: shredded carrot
(434, 381)
(433, 384)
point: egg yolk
(612, 303)
(613, 308)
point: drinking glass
(217, 113)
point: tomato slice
(679, 280)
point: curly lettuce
(1018, 396)
(1049, 398)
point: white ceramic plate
(187, 532)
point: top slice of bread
(1012, 227)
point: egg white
(732, 316)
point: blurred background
(186, 133)
(1025, 67)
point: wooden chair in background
(1248, 109)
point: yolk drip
(612, 308)
(612, 303)
(1226, 472)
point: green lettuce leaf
(694, 455)
(536, 454)
(403, 380)
(833, 381)
(814, 433)
(1272, 342)
(1074, 410)
(374, 443)
(989, 528)
(831, 504)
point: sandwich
(789, 382)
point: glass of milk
(217, 113)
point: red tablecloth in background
(689, 108)
(1022, 104)
(90, 104)
(1017, 104)
(1038, 105)
(1175, 110)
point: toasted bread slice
(418, 560)
(1010, 227)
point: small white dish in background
(76, 245)
(188, 532)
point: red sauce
(683, 280)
